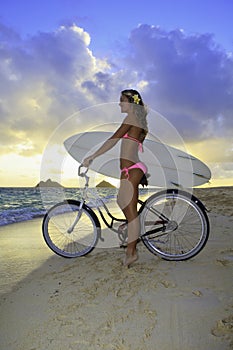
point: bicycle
(174, 224)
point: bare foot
(130, 259)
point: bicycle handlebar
(82, 174)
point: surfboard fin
(177, 185)
(187, 157)
(202, 176)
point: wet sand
(93, 302)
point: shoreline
(92, 302)
(214, 198)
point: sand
(49, 302)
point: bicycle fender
(175, 191)
(189, 195)
(89, 210)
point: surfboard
(167, 166)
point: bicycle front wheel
(174, 225)
(69, 230)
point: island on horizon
(105, 184)
(48, 183)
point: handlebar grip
(82, 174)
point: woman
(132, 132)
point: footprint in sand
(226, 257)
(223, 327)
(167, 284)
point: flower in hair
(136, 99)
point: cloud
(49, 76)
(42, 83)
(189, 78)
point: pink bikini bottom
(138, 165)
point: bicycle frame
(97, 201)
(163, 220)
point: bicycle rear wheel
(174, 225)
(70, 231)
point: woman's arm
(108, 144)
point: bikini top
(140, 147)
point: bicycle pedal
(123, 245)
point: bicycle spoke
(67, 233)
(182, 235)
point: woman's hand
(87, 161)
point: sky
(65, 56)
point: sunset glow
(53, 67)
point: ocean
(23, 204)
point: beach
(93, 302)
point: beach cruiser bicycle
(174, 224)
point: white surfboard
(166, 165)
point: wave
(23, 204)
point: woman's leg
(127, 200)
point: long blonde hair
(139, 107)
